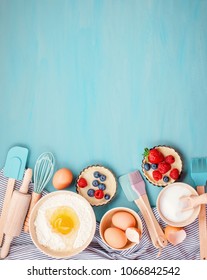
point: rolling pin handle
(5, 248)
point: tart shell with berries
(161, 165)
(97, 184)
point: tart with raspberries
(97, 184)
(161, 165)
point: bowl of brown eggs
(121, 228)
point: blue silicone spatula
(199, 176)
(199, 170)
(14, 170)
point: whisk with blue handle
(43, 171)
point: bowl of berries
(161, 165)
(97, 184)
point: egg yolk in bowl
(64, 220)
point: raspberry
(164, 167)
(99, 194)
(82, 183)
(174, 173)
(156, 175)
(170, 159)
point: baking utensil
(133, 186)
(82, 203)
(202, 226)
(17, 212)
(199, 176)
(43, 172)
(170, 206)
(14, 169)
(106, 222)
(199, 170)
(194, 200)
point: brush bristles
(199, 165)
(135, 177)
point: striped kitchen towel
(22, 247)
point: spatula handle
(148, 222)
(161, 238)
(202, 226)
(155, 231)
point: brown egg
(62, 178)
(115, 237)
(123, 220)
(175, 235)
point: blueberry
(166, 179)
(96, 174)
(154, 166)
(103, 178)
(102, 186)
(107, 196)
(90, 192)
(147, 166)
(95, 183)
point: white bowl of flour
(171, 208)
(62, 224)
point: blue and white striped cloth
(22, 247)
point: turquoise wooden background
(96, 81)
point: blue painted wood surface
(96, 81)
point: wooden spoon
(193, 201)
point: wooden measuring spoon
(193, 201)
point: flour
(59, 242)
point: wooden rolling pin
(17, 212)
(7, 199)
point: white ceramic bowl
(32, 227)
(106, 222)
(164, 212)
